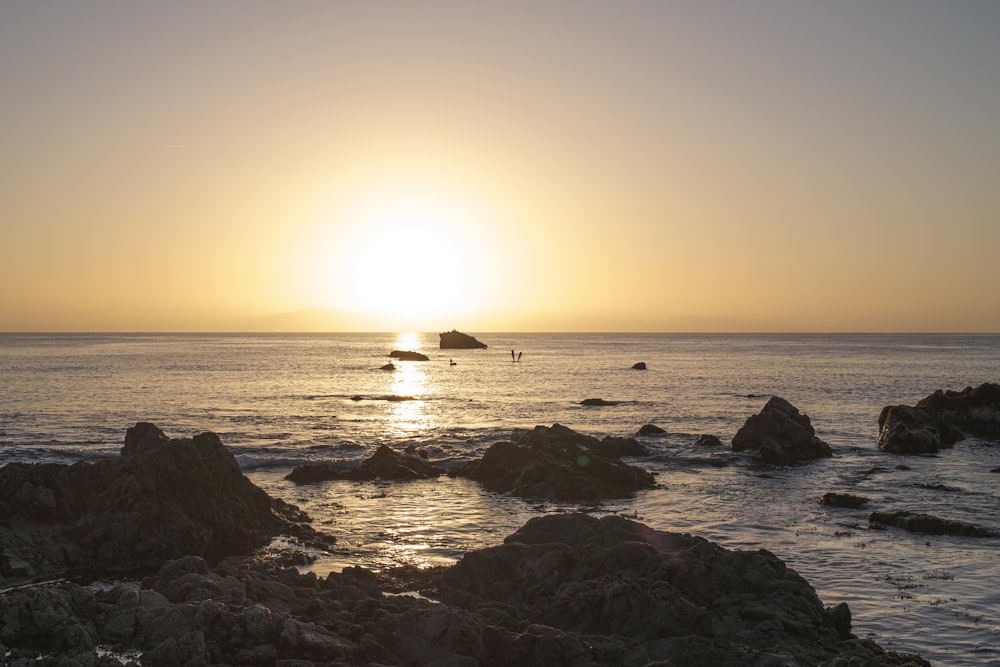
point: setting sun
(404, 253)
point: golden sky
(489, 166)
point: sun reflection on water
(409, 383)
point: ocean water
(280, 400)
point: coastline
(565, 589)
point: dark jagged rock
(639, 366)
(708, 440)
(650, 429)
(597, 402)
(577, 590)
(926, 524)
(383, 464)
(940, 420)
(407, 355)
(615, 448)
(563, 590)
(161, 499)
(907, 430)
(388, 367)
(843, 500)
(555, 463)
(780, 435)
(975, 411)
(456, 340)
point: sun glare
(402, 254)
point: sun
(413, 255)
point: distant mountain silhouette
(309, 320)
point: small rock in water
(925, 524)
(650, 429)
(843, 500)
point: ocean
(278, 400)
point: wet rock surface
(926, 524)
(162, 498)
(385, 463)
(908, 430)
(557, 463)
(975, 411)
(847, 500)
(780, 435)
(562, 590)
(940, 420)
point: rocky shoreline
(157, 557)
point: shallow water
(281, 400)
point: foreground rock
(940, 420)
(161, 499)
(456, 340)
(383, 464)
(557, 463)
(563, 590)
(780, 435)
(577, 590)
(974, 411)
(906, 430)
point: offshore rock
(650, 429)
(975, 411)
(914, 430)
(639, 366)
(940, 420)
(557, 463)
(407, 355)
(162, 498)
(847, 500)
(708, 440)
(597, 402)
(385, 463)
(456, 340)
(926, 524)
(780, 435)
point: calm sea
(280, 400)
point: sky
(703, 165)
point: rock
(997, 469)
(556, 463)
(639, 366)
(383, 464)
(388, 367)
(650, 429)
(940, 420)
(563, 590)
(406, 355)
(843, 500)
(907, 430)
(638, 596)
(615, 448)
(456, 340)
(708, 440)
(161, 499)
(780, 435)
(975, 411)
(925, 524)
(597, 402)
